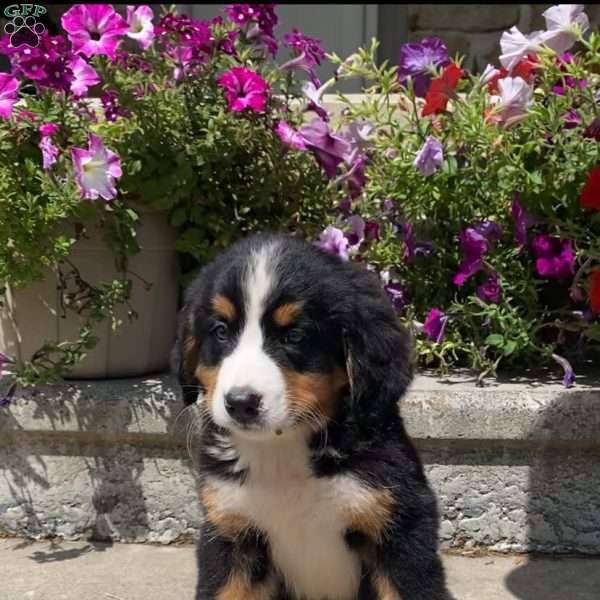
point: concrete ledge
(515, 465)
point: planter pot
(139, 346)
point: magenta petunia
(333, 241)
(141, 29)
(289, 136)
(48, 129)
(491, 290)
(84, 76)
(9, 86)
(96, 169)
(418, 60)
(94, 29)
(435, 325)
(555, 257)
(329, 148)
(244, 89)
(475, 247)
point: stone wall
(515, 465)
(474, 30)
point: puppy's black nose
(242, 404)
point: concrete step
(78, 570)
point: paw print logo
(24, 31)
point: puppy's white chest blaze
(302, 516)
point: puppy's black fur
(347, 323)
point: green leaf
(495, 339)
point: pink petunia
(8, 94)
(244, 89)
(140, 24)
(84, 76)
(94, 29)
(96, 169)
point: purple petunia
(94, 29)
(491, 290)
(569, 373)
(523, 221)
(112, 107)
(475, 247)
(418, 60)
(289, 136)
(96, 169)
(308, 52)
(261, 21)
(244, 89)
(328, 148)
(333, 241)
(430, 157)
(49, 151)
(555, 257)
(395, 291)
(435, 325)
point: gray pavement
(92, 571)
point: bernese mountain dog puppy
(310, 486)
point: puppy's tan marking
(384, 588)
(207, 376)
(372, 515)
(315, 395)
(224, 307)
(239, 587)
(229, 525)
(190, 353)
(286, 314)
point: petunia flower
(593, 130)
(595, 292)
(435, 325)
(94, 29)
(308, 52)
(140, 24)
(8, 94)
(571, 119)
(475, 246)
(289, 136)
(523, 221)
(96, 169)
(430, 157)
(261, 14)
(514, 99)
(49, 151)
(359, 135)
(491, 290)
(244, 89)
(441, 90)
(315, 97)
(328, 147)
(333, 241)
(48, 129)
(569, 377)
(590, 194)
(417, 61)
(112, 107)
(562, 23)
(555, 257)
(516, 46)
(84, 76)
(395, 291)
(356, 235)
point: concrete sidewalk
(91, 571)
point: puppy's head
(274, 334)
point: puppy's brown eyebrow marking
(286, 314)
(224, 307)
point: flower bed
(474, 198)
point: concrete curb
(515, 465)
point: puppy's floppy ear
(379, 357)
(184, 356)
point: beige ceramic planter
(137, 347)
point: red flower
(493, 82)
(441, 89)
(526, 67)
(595, 293)
(590, 194)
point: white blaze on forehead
(248, 364)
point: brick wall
(474, 30)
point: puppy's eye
(220, 332)
(294, 336)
